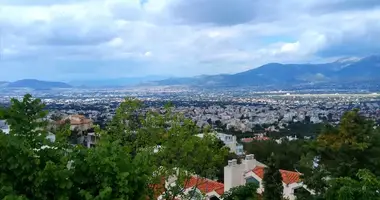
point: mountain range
(116, 82)
(345, 70)
(34, 84)
(342, 70)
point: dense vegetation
(135, 154)
(138, 151)
(341, 163)
(272, 181)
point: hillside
(37, 84)
(364, 69)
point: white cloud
(167, 37)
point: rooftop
(205, 185)
(288, 177)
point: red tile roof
(259, 171)
(158, 188)
(257, 138)
(205, 185)
(288, 177)
(76, 120)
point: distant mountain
(342, 70)
(117, 82)
(37, 84)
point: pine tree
(272, 181)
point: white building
(251, 170)
(204, 189)
(4, 126)
(90, 140)
(231, 142)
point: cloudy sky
(89, 39)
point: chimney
(250, 162)
(234, 162)
(233, 174)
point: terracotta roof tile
(76, 120)
(205, 185)
(288, 177)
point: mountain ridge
(36, 84)
(342, 70)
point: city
(189, 100)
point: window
(252, 180)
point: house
(258, 137)
(4, 126)
(77, 122)
(251, 170)
(206, 188)
(90, 139)
(83, 128)
(231, 142)
(197, 188)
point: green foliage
(170, 140)
(229, 156)
(341, 152)
(288, 153)
(272, 181)
(26, 118)
(299, 129)
(31, 167)
(367, 187)
(244, 192)
(109, 172)
(345, 149)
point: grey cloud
(353, 46)
(219, 12)
(360, 39)
(38, 2)
(233, 12)
(73, 43)
(344, 5)
(77, 34)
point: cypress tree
(272, 181)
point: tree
(272, 181)
(367, 187)
(26, 118)
(342, 151)
(176, 152)
(243, 192)
(287, 153)
(32, 167)
(345, 149)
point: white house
(231, 142)
(204, 189)
(90, 139)
(251, 170)
(4, 126)
(77, 122)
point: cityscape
(189, 100)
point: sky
(99, 39)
